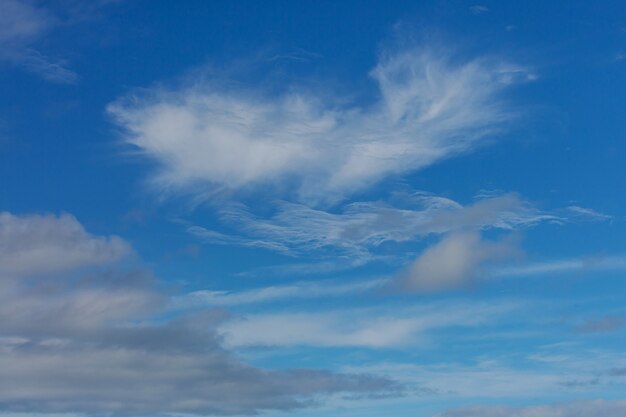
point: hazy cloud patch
(455, 262)
(22, 25)
(597, 408)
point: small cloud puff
(456, 262)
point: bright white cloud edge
(431, 106)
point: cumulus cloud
(38, 244)
(23, 24)
(597, 408)
(457, 261)
(205, 139)
(83, 340)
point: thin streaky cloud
(374, 328)
(478, 9)
(582, 264)
(54, 70)
(588, 213)
(22, 25)
(463, 276)
(360, 228)
(302, 290)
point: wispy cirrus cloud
(420, 276)
(206, 139)
(587, 213)
(22, 25)
(359, 327)
(361, 227)
(558, 266)
(298, 290)
(478, 9)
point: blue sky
(312, 208)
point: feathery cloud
(370, 328)
(205, 139)
(361, 227)
(22, 25)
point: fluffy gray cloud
(43, 244)
(87, 340)
(599, 408)
(52, 377)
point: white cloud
(356, 231)
(457, 261)
(42, 244)
(371, 328)
(581, 264)
(205, 139)
(454, 273)
(588, 213)
(597, 408)
(299, 290)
